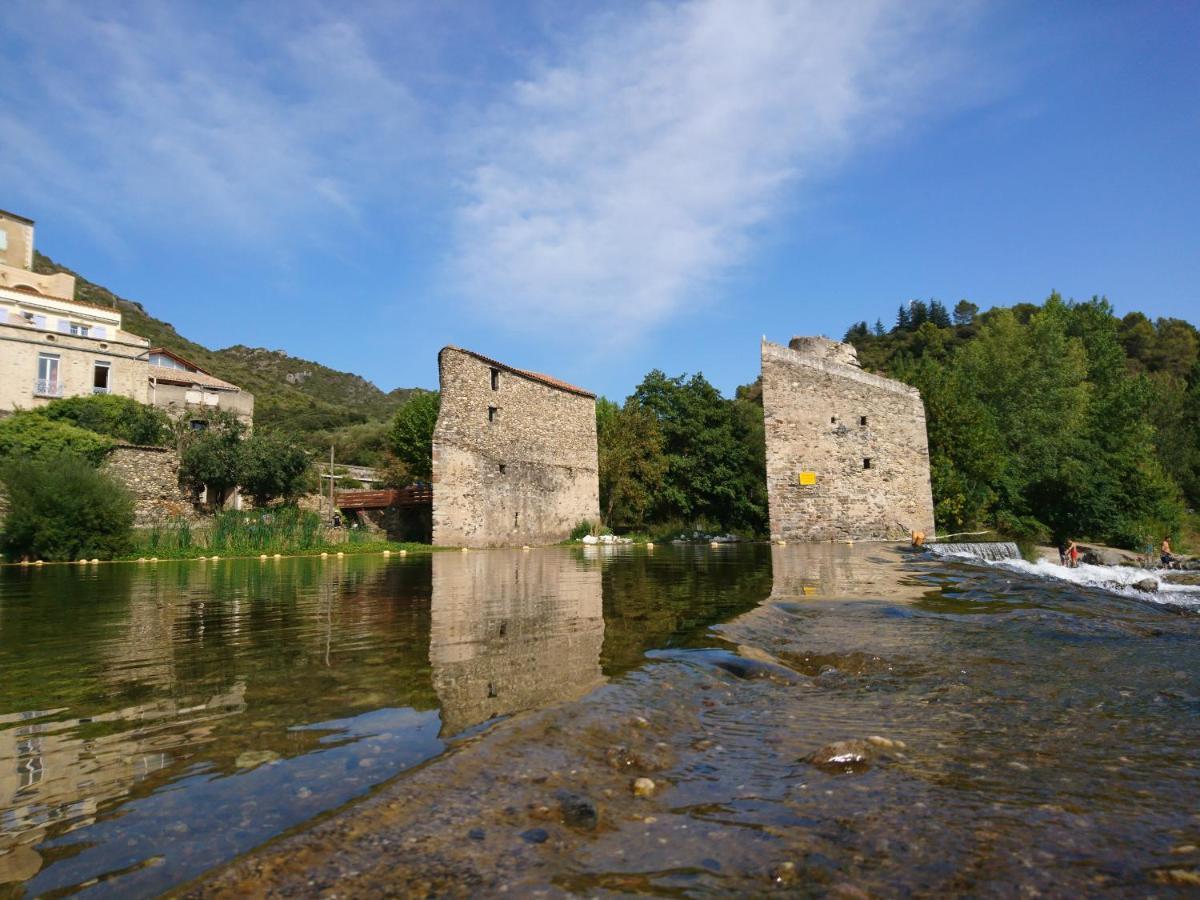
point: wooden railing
(413, 495)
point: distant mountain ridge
(290, 393)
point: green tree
(631, 460)
(29, 434)
(965, 312)
(210, 457)
(411, 435)
(60, 508)
(270, 466)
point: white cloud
(171, 117)
(622, 181)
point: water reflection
(512, 631)
(156, 721)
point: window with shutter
(99, 331)
(39, 321)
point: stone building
(847, 453)
(184, 389)
(514, 455)
(53, 345)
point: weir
(985, 550)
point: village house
(53, 345)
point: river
(469, 723)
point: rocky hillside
(297, 395)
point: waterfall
(986, 550)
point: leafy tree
(60, 508)
(29, 434)
(271, 466)
(714, 453)
(120, 417)
(1175, 348)
(965, 312)
(211, 457)
(411, 435)
(632, 462)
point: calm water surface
(157, 721)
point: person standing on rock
(1167, 559)
(1073, 554)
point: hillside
(296, 395)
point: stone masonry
(847, 452)
(151, 475)
(514, 455)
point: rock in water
(643, 787)
(842, 757)
(1149, 585)
(578, 811)
(252, 758)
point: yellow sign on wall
(808, 478)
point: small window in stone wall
(862, 420)
(503, 468)
(866, 462)
(495, 379)
(492, 413)
(833, 420)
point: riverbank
(198, 554)
(883, 724)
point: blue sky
(594, 191)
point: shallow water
(156, 722)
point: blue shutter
(98, 331)
(64, 326)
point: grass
(287, 531)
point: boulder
(1149, 585)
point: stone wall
(847, 452)
(512, 631)
(514, 455)
(151, 474)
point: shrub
(30, 435)
(60, 508)
(211, 458)
(120, 417)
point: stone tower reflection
(512, 631)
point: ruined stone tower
(847, 453)
(514, 455)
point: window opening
(503, 468)
(79, 330)
(866, 462)
(492, 413)
(100, 374)
(495, 379)
(862, 420)
(833, 420)
(48, 384)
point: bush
(60, 508)
(30, 435)
(119, 417)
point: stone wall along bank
(151, 475)
(514, 455)
(847, 452)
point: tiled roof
(167, 375)
(548, 380)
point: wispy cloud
(255, 124)
(619, 182)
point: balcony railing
(101, 390)
(46, 388)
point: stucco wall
(814, 404)
(528, 476)
(173, 399)
(21, 345)
(17, 246)
(151, 474)
(512, 631)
